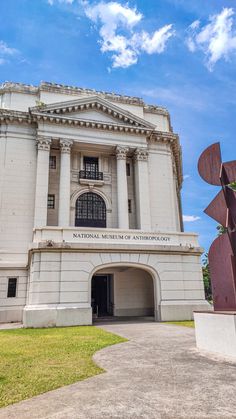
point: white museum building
(90, 210)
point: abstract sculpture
(222, 253)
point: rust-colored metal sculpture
(222, 253)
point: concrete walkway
(157, 374)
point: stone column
(122, 188)
(64, 186)
(41, 187)
(142, 189)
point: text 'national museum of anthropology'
(90, 212)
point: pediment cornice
(68, 108)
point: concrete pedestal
(216, 332)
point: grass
(186, 323)
(33, 361)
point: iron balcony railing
(93, 175)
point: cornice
(25, 117)
(91, 103)
(75, 91)
(7, 115)
(156, 109)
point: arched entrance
(90, 211)
(122, 291)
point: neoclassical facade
(90, 210)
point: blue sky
(180, 54)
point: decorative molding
(43, 143)
(90, 103)
(25, 117)
(72, 90)
(141, 154)
(121, 152)
(65, 145)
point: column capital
(141, 154)
(121, 152)
(65, 145)
(43, 143)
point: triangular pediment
(91, 108)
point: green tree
(206, 277)
(221, 229)
(206, 270)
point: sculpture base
(216, 332)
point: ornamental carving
(66, 146)
(141, 154)
(43, 143)
(121, 153)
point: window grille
(51, 201)
(52, 162)
(90, 211)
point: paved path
(158, 374)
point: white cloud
(190, 218)
(217, 39)
(153, 44)
(6, 50)
(126, 45)
(186, 177)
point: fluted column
(142, 189)
(41, 187)
(64, 186)
(122, 188)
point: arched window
(90, 211)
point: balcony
(87, 177)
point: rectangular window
(51, 201)
(127, 169)
(52, 162)
(11, 290)
(129, 205)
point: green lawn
(186, 323)
(33, 361)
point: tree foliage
(205, 267)
(206, 277)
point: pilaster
(142, 189)
(64, 185)
(122, 188)
(41, 189)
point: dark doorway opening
(102, 295)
